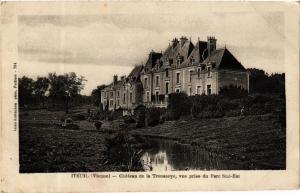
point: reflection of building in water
(157, 162)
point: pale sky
(99, 46)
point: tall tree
(25, 89)
(96, 94)
(41, 86)
(65, 87)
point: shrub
(122, 154)
(128, 119)
(98, 125)
(140, 113)
(179, 104)
(233, 92)
(153, 116)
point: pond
(168, 155)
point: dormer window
(192, 60)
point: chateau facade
(198, 68)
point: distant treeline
(52, 91)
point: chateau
(195, 69)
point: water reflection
(169, 155)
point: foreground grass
(253, 142)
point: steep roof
(135, 73)
(198, 53)
(153, 57)
(223, 59)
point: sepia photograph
(149, 96)
(157, 92)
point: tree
(96, 94)
(41, 86)
(25, 89)
(262, 82)
(65, 87)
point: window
(167, 73)
(130, 97)
(177, 77)
(167, 88)
(198, 72)
(124, 99)
(156, 96)
(180, 59)
(208, 72)
(157, 81)
(111, 94)
(208, 89)
(146, 82)
(118, 93)
(118, 102)
(177, 90)
(190, 91)
(192, 60)
(170, 61)
(111, 103)
(148, 97)
(191, 72)
(199, 90)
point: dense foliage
(54, 89)
(262, 82)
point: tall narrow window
(198, 72)
(190, 91)
(156, 96)
(118, 102)
(191, 72)
(199, 90)
(208, 89)
(208, 71)
(130, 98)
(148, 97)
(167, 73)
(146, 82)
(157, 81)
(124, 99)
(167, 88)
(118, 93)
(177, 77)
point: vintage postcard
(149, 96)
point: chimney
(211, 44)
(115, 79)
(183, 40)
(175, 42)
(122, 78)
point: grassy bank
(256, 142)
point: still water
(169, 156)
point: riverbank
(252, 142)
(255, 142)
